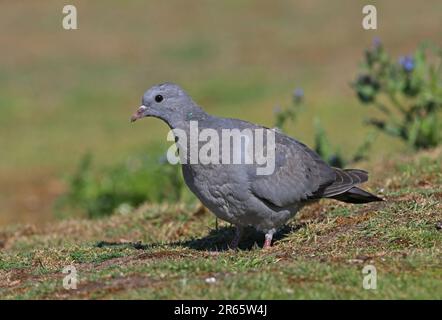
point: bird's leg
(235, 241)
(268, 239)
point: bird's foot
(235, 241)
(268, 240)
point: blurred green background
(64, 93)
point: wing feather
(299, 174)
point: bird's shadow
(217, 240)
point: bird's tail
(356, 195)
(344, 187)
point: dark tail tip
(357, 195)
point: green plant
(322, 143)
(282, 116)
(333, 155)
(143, 178)
(324, 148)
(408, 92)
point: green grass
(168, 251)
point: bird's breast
(221, 188)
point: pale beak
(139, 114)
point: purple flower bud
(298, 95)
(407, 63)
(277, 110)
(376, 42)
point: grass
(169, 251)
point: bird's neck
(184, 120)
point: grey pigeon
(235, 192)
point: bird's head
(166, 101)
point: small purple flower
(277, 110)
(407, 63)
(298, 94)
(376, 42)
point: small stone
(355, 261)
(210, 280)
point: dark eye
(159, 98)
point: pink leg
(268, 240)
(235, 242)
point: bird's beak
(139, 114)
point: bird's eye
(159, 98)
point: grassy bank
(172, 251)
